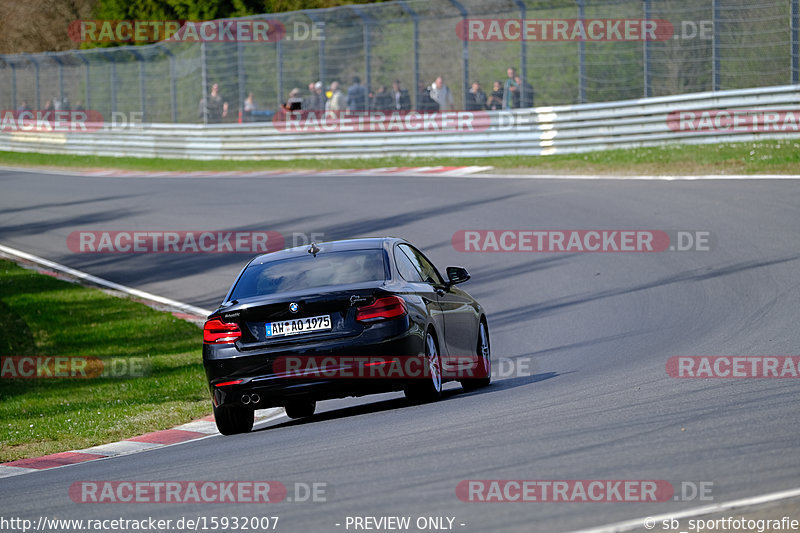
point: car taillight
(218, 332)
(381, 309)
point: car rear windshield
(309, 272)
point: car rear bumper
(316, 371)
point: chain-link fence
(564, 52)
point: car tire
(300, 408)
(484, 367)
(428, 389)
(233, 419)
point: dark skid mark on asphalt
(348, 230)
(530, 311)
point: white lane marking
(638, 523)
(638, 177)
(180, 306)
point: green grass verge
(44, 316)
(765, 157)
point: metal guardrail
(535, 131)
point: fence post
(57, 59)
(581, 57)
(464, 55)
(113, 76)
(36, 82)
(715, 48)
(204, 79)
(646, 53)
(523, 50)
(241, 75)
(87, 91)
(173, 94)
(795, 25)
(279, 53)
(13, 85)
(367, 24)
(315, 19)
(142, 88)
(415, 20)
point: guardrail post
(795, 24)
(581, 57)
(415, 19)
(36, 81)
(715, 48)
(523, 50)
(464, 55)
(646, 53)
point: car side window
(405, 267)
(425, 268)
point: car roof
(373, 243)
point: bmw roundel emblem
(293, 307)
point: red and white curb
(197, 429)
(452, 171)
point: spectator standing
(401, 101)
(424, 100)
(316, 100)
(336, 101)
(441, 94)
(357, 96)
(213, 108)
(525, 92)
(476, 98)
(382, 100)
(495, 100)
(294, 102)
(509, 89)
(249, 108)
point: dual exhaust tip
(250, 398)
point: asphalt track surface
(598, 329)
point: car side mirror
(456, 275)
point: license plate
(297, 326)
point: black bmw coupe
(338, 319)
